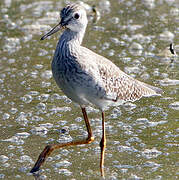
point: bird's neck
(72, 37)
(69, 43)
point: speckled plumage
(86, 77)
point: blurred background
(141, 136)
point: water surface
(141, 136)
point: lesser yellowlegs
(88, 78)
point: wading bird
(88, 78)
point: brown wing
(117, 84)
(121, 86)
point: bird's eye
(76, 16)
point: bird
(88, 78)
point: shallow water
(141, 136)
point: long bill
(52, 31)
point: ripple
(167, 36)
(3, 158)
(174, 105)
(11, 45)
(65, 172)
(151, 153)
(39, 130)
(63, 163)
(23, 135)
(169, 82)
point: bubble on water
(174, 105)
(105, 46)
(111, 52)
(153, 124)
(65, 138)
(62, 122)
(3, 158)
(174, 11)
(26, 98)
(169, 82)
(14, 139)
(151, 164)
(17, 176)
(37, 118)
(38, 66)
(170, 2)
(2, 176)
(25, 158)
(34, 74)
(129, 106)
(11, 147)
(60, 109)
(105, 6)
(145, 76)
(90, 109)
(156, 72)
(6, 165)
(151, 153)
(45, 84)
(126, 149)
(78, 119)
(1, 82)
(132, 70)
(47, 125)
(39, 130)
(65, 172)
(41, 106)
(43, 97)
(23, 169)
(99, 28)
(115, 20)
(134, 139)
(63, 163)
(150, 4)
(23, 135)
(11, 61)
(35, 28)
(136, 46)
(135, 177)
(116, 112)
(64, 152)
(140, 121)
(49, 18)
(134, 27)
(13, 110)
(126, 166)
(11, 45)
(22, 118)
(5, 116)
(164, 75)
(42, 52)
(27, 38)
(167, 36)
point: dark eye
(76, 16)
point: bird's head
(73, 17)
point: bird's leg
(102, 145)
(88, 127)
(49, 148)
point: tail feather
(156, 89)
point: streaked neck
(69, 43)
(72, 37)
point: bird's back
(109, 83)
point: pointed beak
(53, 30)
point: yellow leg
(49, 148)
(102, 145)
